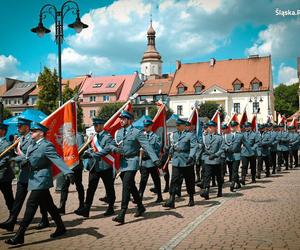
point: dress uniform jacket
(40, 156)
(253, 139)
(25, 141)
(183, 146)
(212, 145)
(294, 140)
(130, 142)
(233, 145)
(155, 142)
(274, 142)
(283, 141)
(6, 173)
(105, 141)
(263, 148)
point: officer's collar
(39, 140)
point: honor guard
(6, 172)
(294, 144)
(212, 148)
(183, 152)
(129, 140)
(263, 150)
(147, 167)
(273, 147)
(248, 155)
(99, 168)
(22, 184)
(283, 147)
(41, 154)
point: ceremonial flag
(159, 125)
(294, 122)
(217, 119)
(281, 119)
(244, 118)
(254, 123)
(194, 120)
(62, 125)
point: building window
(92, 98)
(237, 108)
(181, 90)
(111, 85)
(6, 101)
(106, 98)
(33, 100)
(198, 89)
(255, 86)
(92, 113)
(237, 87)
(179, 110)
(256, 108)
(97, 85)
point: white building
(236, 84)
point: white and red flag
(254, 123)
(159, 125)
(62, 129)
(244, 118)
(217, 119)
(195, 122)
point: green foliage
(208, 109)
(68, 94)
(49, 91)
(6, 113)
(108, 110)
(286, 99)
(153, 110)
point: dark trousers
(6, 189)
(212, 170)
(144, 178)
(233, 167)
(79, 187)
(128, 187)
(246, 161)
(273, 160)
(44, 199)
(229, 165)
(294, 155)
(178, 174)
(107, 177)
(260, 161)
(19, 200)
(283, 157)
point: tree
(153, 111)
(286, 99)
(6, 113)
(208, 109)
(49, 91)
(68, 94)
(108, 110)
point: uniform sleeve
(246, 143)
(109, 142)
(52, 155)
(146, 146)
(221, 147)
(193, 146)
(4, 160)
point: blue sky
(190, 31)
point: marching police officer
(41, 154)
(183, 151)
(248, 155)
(22, 184)
(283, 147)
(147, 167)
(273, 147)
(6, 172)
(99, 168)
(78, 182)
(212, 148)
(263, 154)
(129, 140)
(294, 144)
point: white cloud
(9, 68)
(287, 75)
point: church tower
(151, 63)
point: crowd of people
(200, 161)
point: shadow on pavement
(247, 187)
(233, 194)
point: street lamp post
(58, 16)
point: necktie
(148, 135)
(124, 133)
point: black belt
(37, 168)
(130, 156)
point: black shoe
(104, 199)
(205, 194)
(238, 186)
(258, 176)
(178, 193)
(166, 190)
(78, 209)
(191, 201)
(268, 174)
(200, 184)
(232, 189)
(43, 224)
(18, 238)
(140, 211)
(61, 210)
(159, 200)
(58, 232)
(120, 218)
(242, 181)
(273, 172)
(253, 181)
(8, 225)
(169, 203)
(110, 211)
(219, 192)
(153, 190)
(85, 212)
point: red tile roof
(74, 82)
(20, 89)
(121, 85)
(154, 86)
(223, 74)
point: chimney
(178, 65)
(212, 62)
(253, 56)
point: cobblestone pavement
(264, 215)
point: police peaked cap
(233, 124)
(38, 126)
(23, 121)
(180, 121)
(147, 121)
(126, 114)
(97, 121)
(212, 124)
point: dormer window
(255, 84)
(181, 88)
(97, 85)
(111, 85)
(237, 85)
(198, 87)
